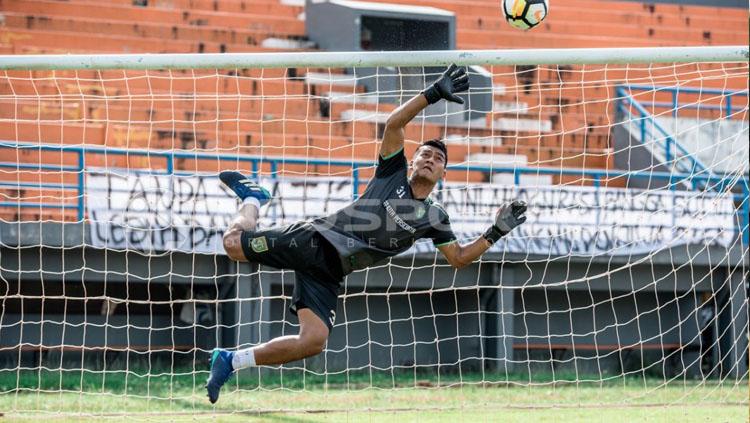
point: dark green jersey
(386, 220)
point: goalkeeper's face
(428, 164)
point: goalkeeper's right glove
(454, 80)
(508, 216)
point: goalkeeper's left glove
(454, 80)
(508, 216)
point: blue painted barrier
(594, 175)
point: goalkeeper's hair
(439, 144)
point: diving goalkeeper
(392, 213)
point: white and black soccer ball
(525, 14)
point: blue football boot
(221, 371)
(244, 187)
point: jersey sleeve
(391, 164)
(442, 233)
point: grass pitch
(292, 396)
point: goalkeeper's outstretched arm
(454, 80)
(393, 135)
(508, 216)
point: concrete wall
(417, 311)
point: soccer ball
(525, 14)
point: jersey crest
(259, 245)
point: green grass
(292, 396)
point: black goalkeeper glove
(454, 80)
(508, 216)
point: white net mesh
(628, 283)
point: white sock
(243, 358)
(251, 200)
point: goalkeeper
(392, 213)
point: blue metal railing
(647, 120)
(596, 176)
(676, 91)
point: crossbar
(356, 59)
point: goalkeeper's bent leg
(309, 342)
(253, 196)
(245, 220)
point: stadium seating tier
(271, 112)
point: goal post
(628, 284)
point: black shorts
(315, 262)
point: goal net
(628, 284)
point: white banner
(190, 213)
